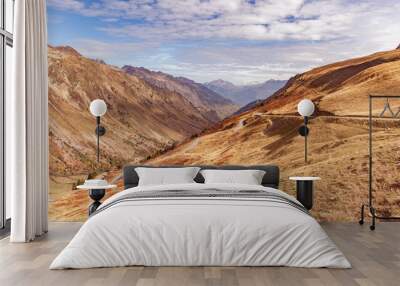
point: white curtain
(27, 124)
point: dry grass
(338, 153)
(67, 204)
(338, 143)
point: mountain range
(210, 103)
(145, 119)
(338, 141)
(147, 113)
(245, 94)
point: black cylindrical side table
(304, 190)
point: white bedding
(200, 231)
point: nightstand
(96, 193)
(304, 190)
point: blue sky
(236, 40)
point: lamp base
(100, 130)
(304, 131)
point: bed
(198, 224)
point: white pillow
(248, 177)
(165, 176)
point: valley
(248, 93)
(142, 119)
(338, 142)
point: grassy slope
(338, 140)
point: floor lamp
(98, 108)
(306, 109)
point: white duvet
(200, 231)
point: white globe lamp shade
(306, 107)
(98, 107)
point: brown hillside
(141, 119)
(341, 88)
(210, 103)
(338, 142)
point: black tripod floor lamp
(98, 108)
(306, 109)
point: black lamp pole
(98, 138)
(304, 131)
(98, 108)
(305, 108)
(100, 131)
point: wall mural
(209, 82)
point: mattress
(201, 225)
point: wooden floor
(375, 257)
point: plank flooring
(375, 257)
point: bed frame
(271, 177)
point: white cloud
(239, 41)
(247, 64)
(265, 20)
(73, 5)
(113, 53)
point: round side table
(96, 193)
(304, 190)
